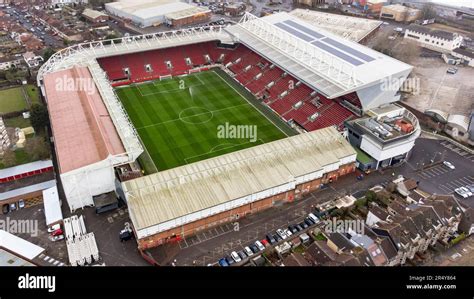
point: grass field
(12, 100)
(180, 120)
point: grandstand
(311, 80)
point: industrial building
(146, 13)
(433, 39)
(400, 13)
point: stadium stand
(284, 94)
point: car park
(223, 263)
(248, 251)
(281, 233)
(449, 165)
(235, 256)
(259, 245)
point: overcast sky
(467, 3)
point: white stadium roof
(174, 193)
(325, 61)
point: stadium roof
(351, 28)
(19, 246)
(326, 62)
(83, 129)
(177, 192)
(24, 168)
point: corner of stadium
(322, 96)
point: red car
(57, 232)
(264, 242)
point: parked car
(265, 242)
(242, 254)
(5, 208)
(313, 217)
(281, 233)
(288, 232)
(449, 165)
(235, 256)
(271, 239)
(56, 238)
(299, 227)
(461, 192)
(13, 206)
(452, 70)
(229, 260)
(304, 225)
(308, 221)
(125, 235)
(255, 248)
(21, 204)
(248, 251)
(57, 232)
(277, 238)
(223, 262)
(292, 228)
(471, 188)
(259, 245)
(466, 191)
(54, 228)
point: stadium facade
(314, 80)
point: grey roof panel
(294, 32)
(304, 29)
(337, 53)
(348, 49)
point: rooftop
(90, 13)
(25, 168)
(173, 193)
(188, 12)
(465, 52)
(83, 130)
(19, 246)
(149, 8)
(433, 32)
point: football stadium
(200, 126)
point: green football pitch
(187, 119)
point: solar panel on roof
(337, 53)
(304, 29)
(294, 32)
(347, 49)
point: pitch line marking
(173, 120)
(196, 123)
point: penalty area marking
(215, 151)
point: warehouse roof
(185, 13)
(351, 28)
(173, 193)
(145, 9)
(433, 32)
(19, 246)
(25, 168)
(82, 126)
(90, 13)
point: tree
(37, 148)
(370, 196)
(383, 44)
(428, 11)
(9, 158)
(48, 53)
(39, 116)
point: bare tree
(37, 148)
(383, 44)
(428, 11)
(9, 158)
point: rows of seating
(291, 99)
